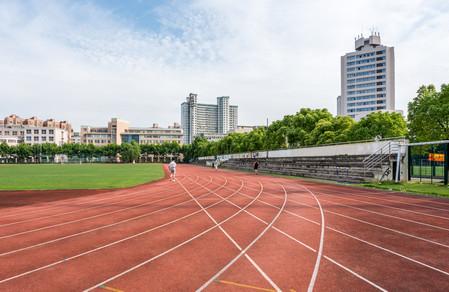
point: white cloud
(85, 64)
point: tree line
(427, 119)
(126, 152)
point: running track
(227, 231)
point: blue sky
(87, 61)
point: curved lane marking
(207, 283)
(104, 246)
(176, 246)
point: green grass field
(425, 171)
(412, 187)
(76, 176)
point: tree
(428, 114)
(378, 124)
(130, 152)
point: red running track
(226, 231)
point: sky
(87, 61)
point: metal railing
(381, 155)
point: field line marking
(321, 245)
(373, 224)
(85, 201)
(105, 246)
(244, 285)
(85, 218)
(80, 209)
(100, 227)
(369, 243)
(386, 206)
(110, 288)
(255, 265)
(207, 283)
(381, 198)
(176, 246)
(386, 215)
(331, 260)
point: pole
(266, 139)
(446, 164)
(398, 162)
(409, 160)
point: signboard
(436, 157)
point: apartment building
(367, 78)
(15, 130)
(212, 121)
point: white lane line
(85, 209)
(307, 246)
(108, 245)
(321, 245)
(379, 197)
(209, 215)
(355, 274)
(385, 215)
(364, 241)
(376, 225)
(104, 226)
(332, 261)
(389, 216)
(207, 283)
(386, 206)
(255, 265)
(414, 197)
(84, 201)
(82, 219)
(176, 246)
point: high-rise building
(208, 120)
(367, 78)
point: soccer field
(76, 176)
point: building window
(36, 138)
(6, 132)
(28, 138)
(51, 132)
(14, 133)
(28, 131)
(44, 138)
(36, 132)
(44, 132)
(51, 139)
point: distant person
(256, 167)
(216, 164)
(172, 169)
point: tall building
(212, 121)
(367, 78)
(15, 130)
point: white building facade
(208, 120)
(153, 135)
(15, 130)
(367, 79)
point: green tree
(428, 114)
(378, 124)
(130, 152)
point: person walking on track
(256, 167)
(172, 169)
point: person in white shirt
(172, 169)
